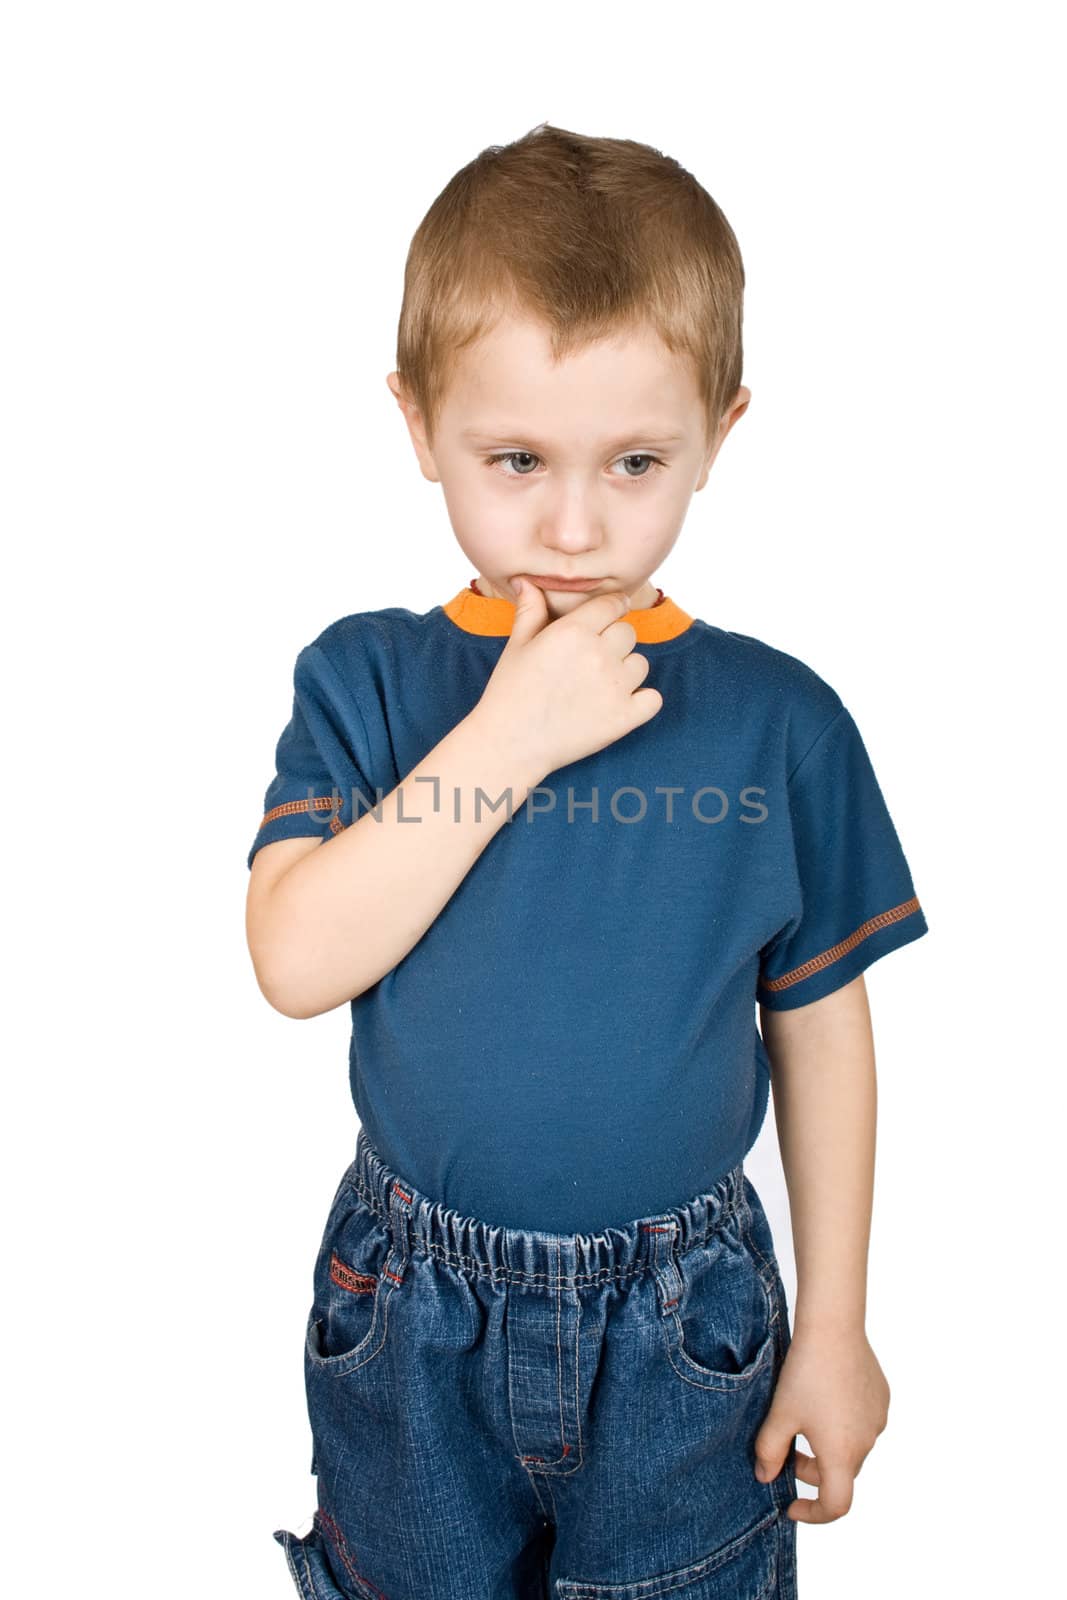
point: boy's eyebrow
(653, 435)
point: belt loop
(741, 1203)
(661, 1234)
(400, 1224)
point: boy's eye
(515, 456)
(526, 456)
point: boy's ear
(737, 408)
(413, 418)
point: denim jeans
(500, 1414)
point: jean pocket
(346, 1325)
(745, 1568)
(310, 1568)
(720, 1329)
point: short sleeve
(320, 759)
(858, 899)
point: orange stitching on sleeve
(835, 952)
(292, 808)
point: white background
(207, 209)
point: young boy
(554, 875)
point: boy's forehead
(508, 377)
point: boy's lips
(550, 582)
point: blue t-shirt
(573, 1042)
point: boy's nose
(572, 519)
(571, 536)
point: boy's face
(598, 460)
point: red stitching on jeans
(326, 1522)
(566, 1452)
(401, 1192)
(392, 1275)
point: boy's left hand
(833, 1391)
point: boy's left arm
(831, 1387)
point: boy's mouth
(550, 582)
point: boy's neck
(479, 613)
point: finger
(807, 1468)
(833, 1500)
(772, 1445)
(599, 612)
(531, 613)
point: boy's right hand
(565, 688)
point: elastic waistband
(548, 1260)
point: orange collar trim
(491, 615)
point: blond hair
(590, 236)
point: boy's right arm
(326, 920)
